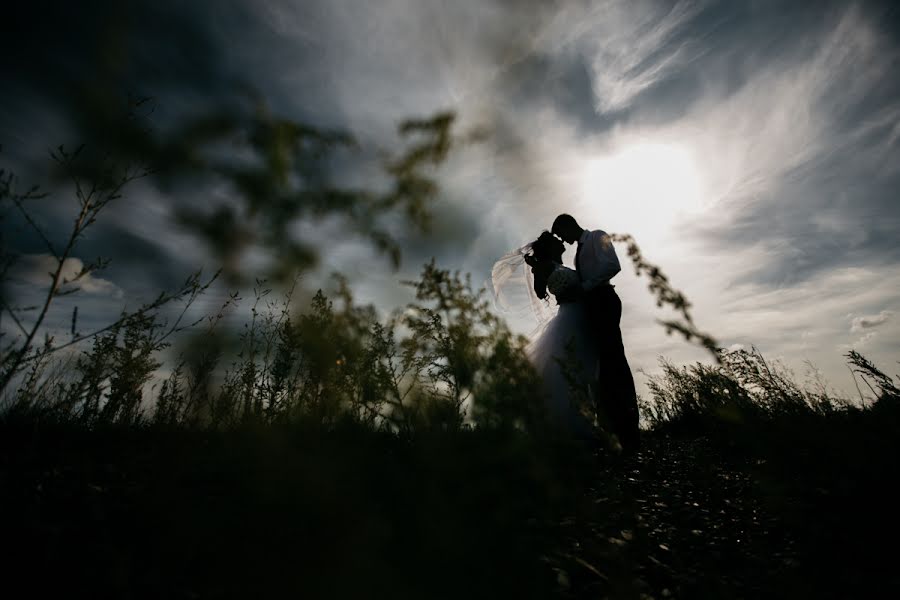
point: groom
(596, 263)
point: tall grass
(744, 387)
(443, 362)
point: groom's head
(567, 228)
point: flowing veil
(514, 296)
(513, 286)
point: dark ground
(797, 511)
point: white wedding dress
(565, 338)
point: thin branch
(86, 216)
(12, 313)
(856, 383)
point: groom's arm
(599, 262)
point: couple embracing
(583, 339)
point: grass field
(787, 504)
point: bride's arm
(542, 271)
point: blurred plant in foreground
(445, 362)
(665, 294)
(279, 171)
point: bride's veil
(513, 286)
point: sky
(751, 148)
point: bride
(562, 352)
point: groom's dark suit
(596, 263)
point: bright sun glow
(642, 189)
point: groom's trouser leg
(616, 395)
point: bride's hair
(548, 247)
(545, 250)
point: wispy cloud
(864, 340)
(783, 124)
(870, 321)
(634, 45)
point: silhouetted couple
(581, 347)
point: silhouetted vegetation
(331, 451)
(346, 456)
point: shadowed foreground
(796, 507)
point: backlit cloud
(752, 148)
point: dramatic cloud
(752, 148)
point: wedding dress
(565, 357)
(562, 336)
